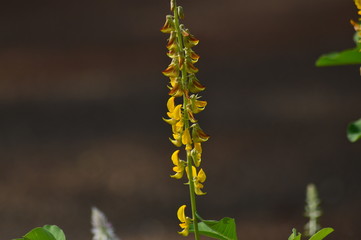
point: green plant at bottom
(184, 103)
(47, 232)
(317, 236)
(312, 210)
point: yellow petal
(180, 214)
(358, 4)
(176, 142)
(170, 104)
(178, 175)
(199, 192)
(169, 121)
(177, 113)
(186, 137)
(201, 176)
(185, 232)
(175, 158)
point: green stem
(184, 81)
(193, 197)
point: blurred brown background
(82, 96)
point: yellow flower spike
(179, 165)
(185, 221)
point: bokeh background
(82, 96)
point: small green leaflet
(224, 229)
(324, 232)
(321, 234)
(48, 232)
(354, 131)
(294, 235)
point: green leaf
(294, 235)
(55, 231)
(322, 234)
(354, 131)
(224, 229)
(39, 234)
(346, 57)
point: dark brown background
(82, 96)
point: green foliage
(47, 232)
(354, 131)
(224, 229)
(324, 232)
(345, 57)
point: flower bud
(194, 85)
(198, 135)
(168, 25)
(180, 12)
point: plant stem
(193, 197)
(184, 81)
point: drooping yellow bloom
(198, 135)
(187, 140)
(175, 119)
(179, 165)
(185, 221)
(198, 179)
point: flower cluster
(185, 221)
(183, 84)
(184, 102)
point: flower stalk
(312, 210)
(182, 106)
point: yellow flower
(187, 140)
(194, 85)
(168, 25)
(198, 135)
(196, 105)
(198, 179)
(179, 165)
(358, 5)
(185, 221)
